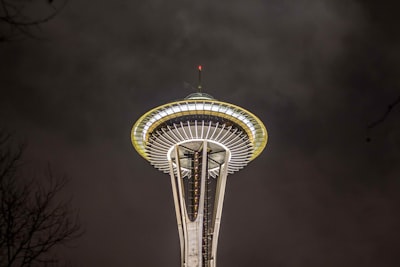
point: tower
(198, 141)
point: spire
(199, 94)
(199, 86)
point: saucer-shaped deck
(197, 118)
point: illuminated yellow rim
(250, 123)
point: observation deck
(199, 117)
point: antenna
(199, 86)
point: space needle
(198, 141)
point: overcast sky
(316, 72)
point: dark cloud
(316, 72)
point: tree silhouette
(22, 18)
(33, 218)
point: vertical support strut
(178, 209)
(182, 206)
(219, 201)
(204, 176)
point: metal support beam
(219, 201)
(178, 210)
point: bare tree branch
(385, 115)
(33, 218)
(382, 118)
(17, 21)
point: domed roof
(199, 95)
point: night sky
(316, 72)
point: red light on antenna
(199, 67)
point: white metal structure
(198, 141)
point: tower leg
(177, 210)
(219, 201)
